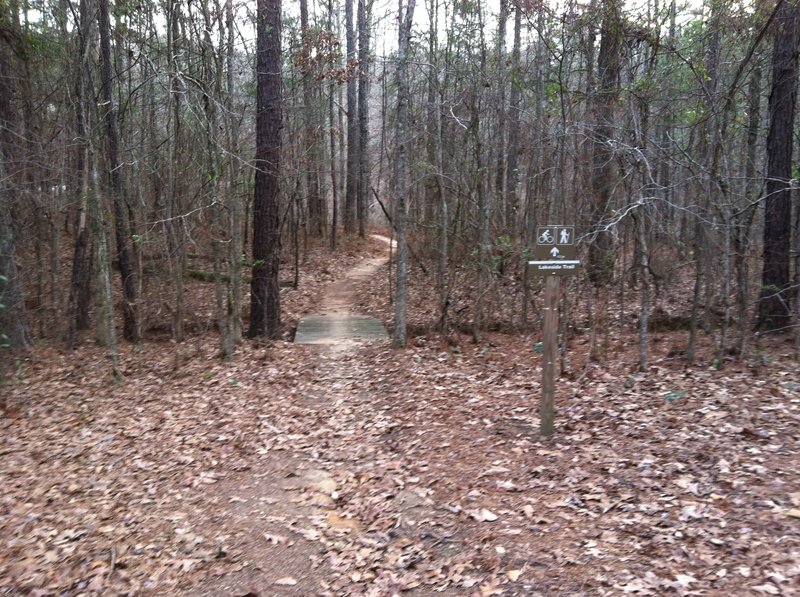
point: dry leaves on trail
(381, 472)
(437, 476)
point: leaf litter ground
(299, 470)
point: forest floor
(362, 470)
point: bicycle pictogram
(546, 238)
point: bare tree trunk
(773, 307)
(745, 218)
(512, 174)
(603, 180)
(212, 91)
(106, 330)
(483, 190)
(332, 134)
(351, 187)
(77, 306)
(405, 21)
(431, 106)
(797, 282)
(14, 332)
(265, 313)
(130, 322)
(700, 237)
(534, 178)
(363, 116)
(235, 200)
(172, 223)
(644, 317)
(316, 211)
(334, 180)
(444, 232)
(500, 171)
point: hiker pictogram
(555, 252)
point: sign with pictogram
(555, 253)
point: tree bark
(332, 89)
(172, 223)
(405, 20)
(351, 186)
(264, 290)
(483, 189)
(500, 166)
(773, 307)
(363, 116)
(212, 93)
(77, 305)
(604, 173)
(130, 330)
(235, 201)
(316, 205)
(515, 97)
(536, 179)
(601, 250)
(14, 330)
(744, 221)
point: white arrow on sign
(554, 251)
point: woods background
(133, 135)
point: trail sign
(555, 253)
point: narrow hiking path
(336, 324)
(290, 513)
(340, 296)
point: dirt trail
(336, 325)
(340, 296)
(282, 512)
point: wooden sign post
(555, 256)
(547, 406)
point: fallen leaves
(482, 515)
(337, 522)
(276, 539)
(390, 471)
(513, 575)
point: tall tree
(265, 313)
(604, 178)
(512, 175)
(235, 200)
(332, 88)
(601, 251)
(130, 330)
(351, 185)
(14, 330)
(172, 222)
(363, 114)
(77, 316)
(502, 156)
(773, 307)
(405, 21)
(316, 205)
(483, 185)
